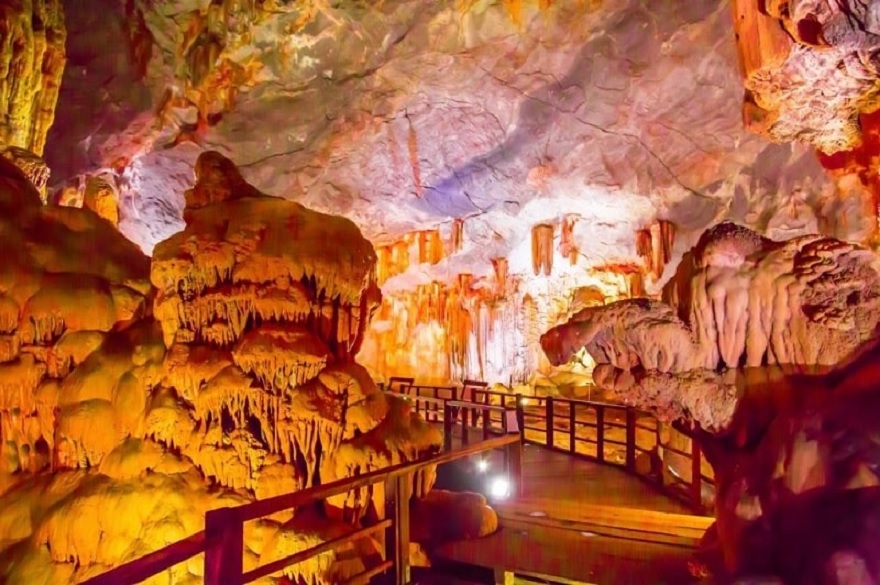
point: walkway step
(636, 524)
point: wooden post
(631, 439)
(548, 410)
(600, 434)
(521, 420)
(224, 547)
(513, 455)
(447, 427)
(397, 539)
(464, 426)
(696, 474)
(572, 428)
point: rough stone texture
(127, 411)
(32, 37)
(797, 479)
(811, 68)
(474, 121)
(33, 167)
(737, 299)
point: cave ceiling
(405, 115)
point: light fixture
(482, 466)
(499, 488)
(524, 401)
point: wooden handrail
(153, 563)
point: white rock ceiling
(412, 113)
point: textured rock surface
(811, 68)
(797, 479)
(127, 411)
(737, 300)
(510, 139)
(32, 53)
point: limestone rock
(32, 38)
(810, 69)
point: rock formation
(33, 55)
(491, 187)
(810, 68)
(127, 411)
(737, 300)
(771, 347)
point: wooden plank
(153, 563)
(608, 515)
(686, 539)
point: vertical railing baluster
(696, 473)
(224, 547)
(572, 428)
(548, 417)
(397, 536)
(631, 439)
(600, 434)
(447, 427)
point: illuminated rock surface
(500, 155)
(736, 300)
(127, 411)
(771, 348)
(810, 68)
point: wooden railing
(608, 433)
(222, 540)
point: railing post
(696, 473)
(447, 427)
(397, 538)
(548, 416)
(521, 420)
(513, 453)
(572, 428)
(600, 434)
(464, 425)
(224, 547)
(631, 439)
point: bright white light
(482, 465)
(524, 401)
(499, 488)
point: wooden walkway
(583, 522)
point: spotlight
(482, 466)
(524, 401)
(499, 488)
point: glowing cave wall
(487, 326)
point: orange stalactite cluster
(567, 246)
(422, 247)
(542, 249)
(654, 244)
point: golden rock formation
(232, 379)
(32, 59)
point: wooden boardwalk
(584, 522)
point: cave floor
(587, 523)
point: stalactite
(654, 245)
(567, 246)
(542, 249)
(430, 247)
(500, 267)
(456, 239)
